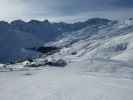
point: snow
(110, 42)
(60, 84)
(101, 68)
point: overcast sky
(64, 10)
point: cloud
(11, 9)
(59, 9)
(74, 7)
(124, 3)
(67, 7)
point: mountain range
(18, 35)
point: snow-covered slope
(110, 47)
(18, 35)
(60, 84)
(99, 67)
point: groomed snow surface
(69, 83)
